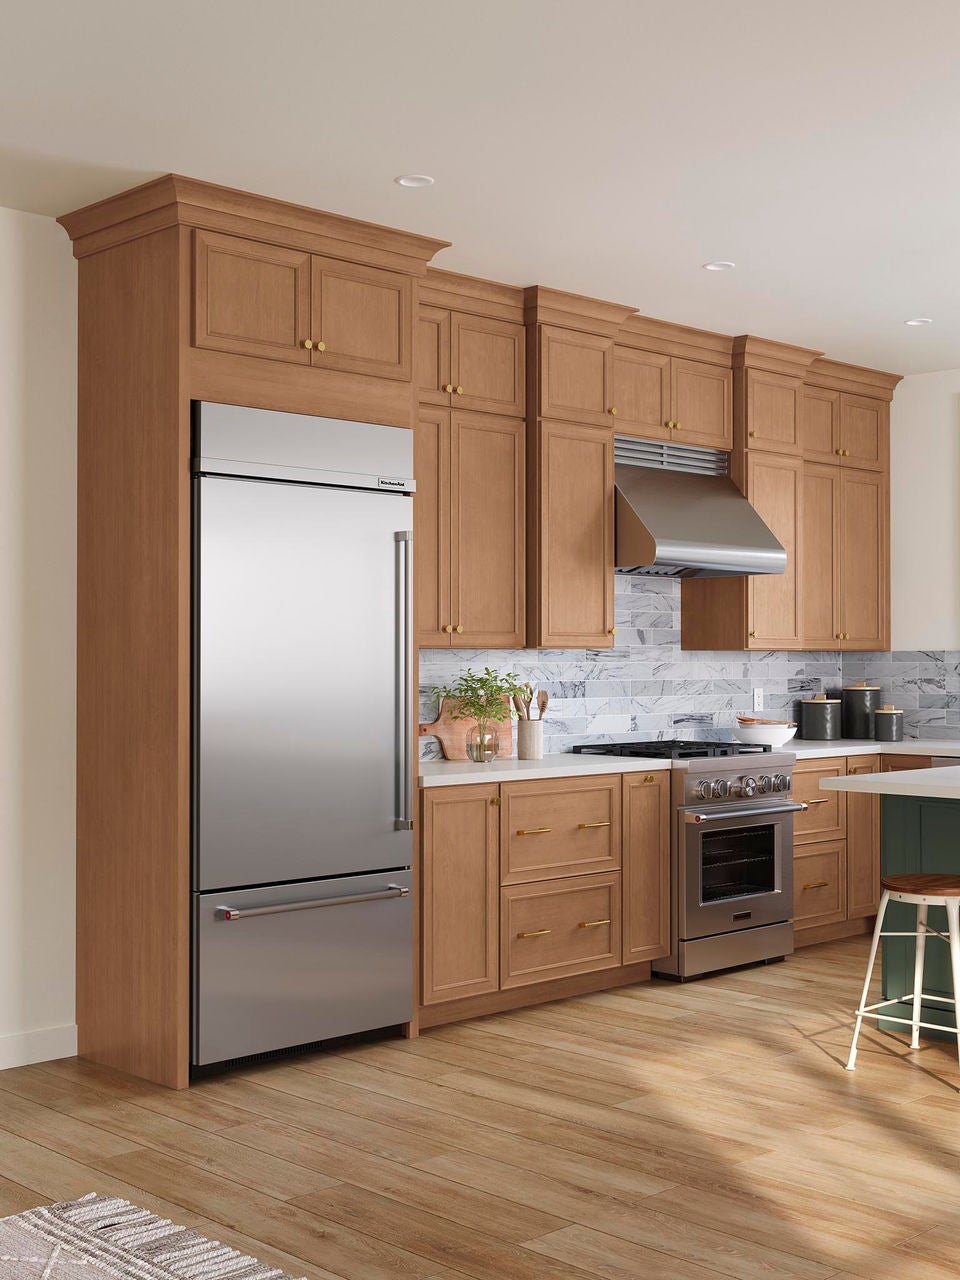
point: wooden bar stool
(923, 891)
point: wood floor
(664, 1132)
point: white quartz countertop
(941, 783)
(445, 773)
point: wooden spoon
(542, 699)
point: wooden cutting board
(453, 733)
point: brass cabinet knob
(448, 388)
(308, 345)
(677, 426)
(612, 411)
(613, 631)
(459, 630)
(459, 390)
(648, 777)
(753, 435)
(319, 346)
(669, 425)
(846, 453)
(449, 628)
(753, 635)
(838, 636)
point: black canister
(820, 718)
(888, 724)
(859, 704)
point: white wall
(37, 648)
(925, 511)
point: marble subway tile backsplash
(647, 687)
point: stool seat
(935, 885)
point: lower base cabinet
(819, 884)
(536, 882)
(863, 844)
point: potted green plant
(486, 699)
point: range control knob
(703, 789)
(781, 782)
(748, 787)
(765, 783)
(721, 789)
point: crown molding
(571, 311)
(853, 378)
(456, 292)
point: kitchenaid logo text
(391, 484)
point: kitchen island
(919, 832)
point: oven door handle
(758, 811)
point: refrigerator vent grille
(670, 457)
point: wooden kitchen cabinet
(251, 298)
(576, 376)
(864, 432)
(819, 885)
(469, 530)
(567, 827)
(826, 818)
(820, 556)
(460, 879)
(894, 763)
(470, 361)
(258, 299)
(646, 866)
(863, 843)
(559, 928)
(772, 411)
(659, 397)
(864, 560)
(570, 538)
(819, 424)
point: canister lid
(861, 684)
(889, 710)
(818, 700)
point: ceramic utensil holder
(529, 739)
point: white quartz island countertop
(444, 773)
(937, 784)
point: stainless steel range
(732, 863)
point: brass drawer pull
(535, 933)
(825, 800)
(817, 884)
(534, 831)
(582, 826)
(591, 924)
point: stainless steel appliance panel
(292, 964)
(302, 694)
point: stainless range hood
(687, 522)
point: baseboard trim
(24, 1047)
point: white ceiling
(608, 147)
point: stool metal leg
(918, 974)
(953, 922)
(874, 946)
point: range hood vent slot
(679, 515)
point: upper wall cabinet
(771, 411)
(662, 397)
(576, 376)
(844, 428)
(470, 361)
(256, 299)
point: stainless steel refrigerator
(302, 729)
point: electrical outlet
(758, 699)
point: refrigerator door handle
(404, 544)
(243, 913)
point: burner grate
(672, 749)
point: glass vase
(483, 743)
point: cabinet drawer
(559, 829)
(558, 928)
(826, 819)
(820, 884)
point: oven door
(736, 871)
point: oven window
(738, 863)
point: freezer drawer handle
(243, 913)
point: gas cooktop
(672, 749)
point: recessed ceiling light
(918, 320)
(719, 265)
(414, 180)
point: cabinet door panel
(863, 844)
(250, 298)
(826, 818)
(431, 527)
(702, 404)
(433, 355)
(820, 554)
(774, 488)
(487, 531)
(557, 928)
(487, 362)
(864, 560)
(819, 424)
(864, 432)
(646, 866)
(364, 317)
(550, 829)
(575, 373)
(460, 892)
(819, 885)
(641, 393)
(772, 411)
(575, 570)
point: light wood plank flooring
(665, 1132)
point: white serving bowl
(770, 735)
